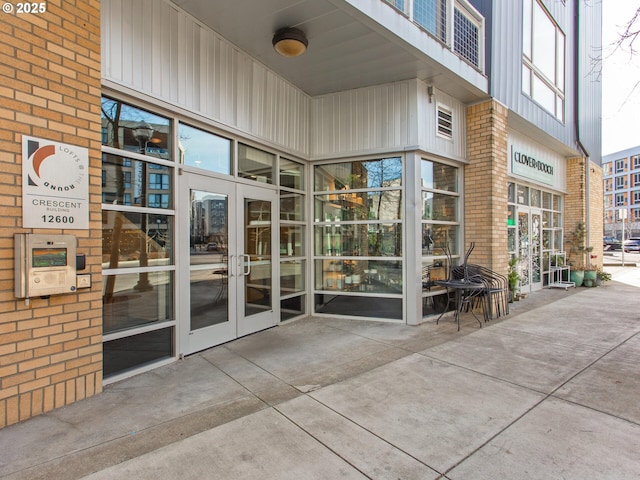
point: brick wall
(485, 185)
(596, 212)
(576, 204)
(50, 350)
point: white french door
(226, 261)
(529, 244)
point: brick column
(576, 204)
(485, 185)
(50, 350)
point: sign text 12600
(57, 219)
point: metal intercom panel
(44, 264)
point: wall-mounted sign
(55, 185)
(531, 167)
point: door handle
(247, 270)
(232, 264)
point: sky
(620, 74)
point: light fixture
(290, 42)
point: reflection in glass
(255, 164)
(511, 192)
(511, 215)
(511, 239)
(292, 307)
(386, 172)
(125, 307)
(356, 206)
(119, 124)
(127, 353)
(208, 237)
(257, 247)
(435, 238)
(535, 197)
(434, 300)
(522, 194)
(291, 174)
(204, 150)
(208, 296)
(131, 182)
(291, 240)
(436, 206)
(373, 276)
(208, 226)
(291, 206)
(292, 274)
(439, 176)
(360, 306)
(123, 237)
(368, 239)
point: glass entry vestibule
(227, 272)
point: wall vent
(445, 122)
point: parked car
(212, 247)
(631, 245)
(611, 243)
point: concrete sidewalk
(550, 391)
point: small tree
(578, 248)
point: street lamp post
(143, 134)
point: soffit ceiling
(346, 49)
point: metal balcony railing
(455, 23)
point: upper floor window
(619, 183)
(543, 58)
(636, 198)
(455, 23)
(636, 179)
(620, 166)
(619, 199)
(636, 161)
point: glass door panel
(206, 296)
(208, 259)
(536, 250)
(256, 279)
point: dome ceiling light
(290, 42)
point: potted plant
(590, 271)
(577, 253)
(602, 276)
(513, 278)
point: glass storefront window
(511, 192)
(292, 275)
(135, 183)
(436, 206)
(255, 164)
(386, 172)
(291, 206)
(126, 306)
(205, 150)
(438, 176)
(136, 351)
(126, 234)
(291, 240)
(291, 174)
(360, 306)
(372, 276)
(365, 239)
(292, 307)
(358, 206)
(522, 195)
(136, 130)
(535, 197)
(436, 238)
